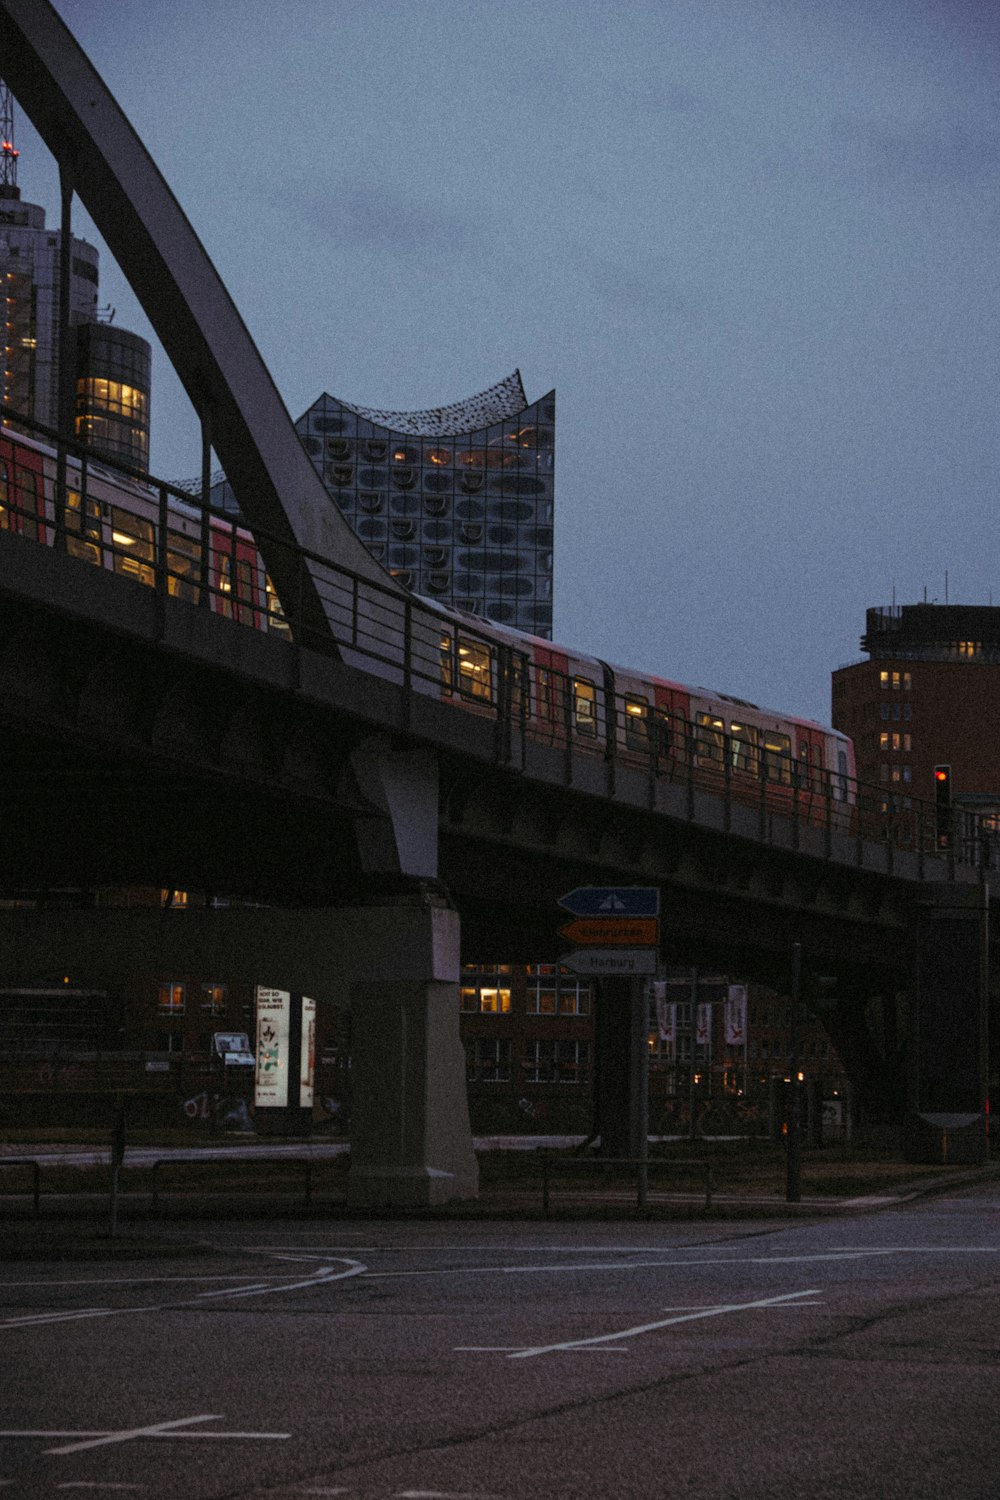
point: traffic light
(942, 806)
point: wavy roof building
(456, 501)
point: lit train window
(636, 723)
(778, 757)
(744, 751)
(710, 738)
(83, 534)
(183, 566)
(132, 543)
(543, 693)
(584, 706)
(475, 669)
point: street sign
(612, 901)
(623, 961)
(612, 932)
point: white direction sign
(624, 961)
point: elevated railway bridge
(306, 753)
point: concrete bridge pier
(948, 1053)
(411, 1145)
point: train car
(112, 520)
(547, 692)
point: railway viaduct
(380, 830)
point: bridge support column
(622, 1024)
(411, 1145)
(946, 1118)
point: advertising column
(283, 1084)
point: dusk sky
(751, 243)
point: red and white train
(552, 693)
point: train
(552, 693)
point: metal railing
(555, 1166)
(227, 1165)
(162, 537)
(36, 1175)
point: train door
(550, 694)
(809, 772)
(670, 728)
(22, 495)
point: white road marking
(156, 1429)
(181, 1428)
(323, 1276)
(624, 1333)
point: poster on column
(703, 1024)
(273, 1017)
(307, 1053)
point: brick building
(927, 694)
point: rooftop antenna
(894, 595)
(946, 585)
(8, 155)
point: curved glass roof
(505, 399)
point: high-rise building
(457, 501)
(110, 366)
(927, 695)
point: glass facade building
(456, 502)
(112, 392)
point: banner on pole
(703, 1025)
(736, 1015)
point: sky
(752, 244)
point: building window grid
(555, 991)
(562, 1062)
(171, 998)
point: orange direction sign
(612, 932)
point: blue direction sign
(612, 901)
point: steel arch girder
(180, 290)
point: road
(852, 1357)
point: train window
(83, 528)
(840, 784)
(244, 591)
(778, 757)
(584, 706)
(26, 502)
(475, 669)
(275, 614)
(744, 748)
(710, 738)
(4, 496)
(132, 544)
(183, 567)
(636, 723)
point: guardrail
(227, 1164)
(555, 1165)
(216, 563)
(36, 1174)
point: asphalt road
(853, 1357)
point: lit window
(213, 998)
(883, 740)
(883, 679)
(907, 682)
(475, 669)
(637, 723)
(170, 999)
(584, 706)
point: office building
(110, 366)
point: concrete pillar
(622, 1026)
(411, 1144)
(947, 1073)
